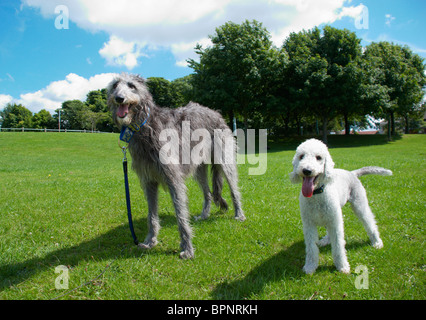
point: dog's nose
(119, 99)
(307, 172)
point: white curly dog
(325, 191)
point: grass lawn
(62, 203)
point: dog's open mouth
(123, 110)
(308, 186)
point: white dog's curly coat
(325, 191)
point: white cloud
(4, 100)
(121, 53)
(309, 14)
(178, 24)
(389, 19)
(185, 50)
(10, 77)
(73, 87)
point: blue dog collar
(127, 132)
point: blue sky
(42, 65)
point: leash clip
(124, 149)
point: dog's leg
(364, 213)
(231, 175)
(151, 193)
(310, 233)
(337, 239)
(180, 201)
(201, 177)
(217, 181)
(324, 241)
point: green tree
(171, 94)
(230, 75)
(400, 78)
(16, 116)
(90, 119)
(43, 119)
(322, 68)
(97, 99)
(71, 114)
(96, 115)
(182, 90)
(161, 90)
(93, 114)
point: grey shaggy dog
(131, 103)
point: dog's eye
(319, 158)
(114, 86)
(131, 85)
(301, 156)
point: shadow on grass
(118, 243)
(115, 243)
(334, 141)
(287, 264)
(283, 266)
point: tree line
(93, 114)
(317, 80)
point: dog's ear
(294, 177)
(328, 166)
(141, 79)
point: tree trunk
(299, 125)
(245, 126)
(286, 124)
(231, 118)
(389, 128)
(324, 129)
(393, 122)
(347, 127)
(407, 129)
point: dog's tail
(217, 187)
(372, 170)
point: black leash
(126, 186)
(126, 134)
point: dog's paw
(201, 217)
(343, 267)
(345, 270)
(240, 217)
(187, 254)
(309, 269)
(378, 244)
(149, 244)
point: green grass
(62, 203)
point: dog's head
(312, 165)
(128, 97)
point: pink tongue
(308, 186)
(123, 109)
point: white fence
(48, 130)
